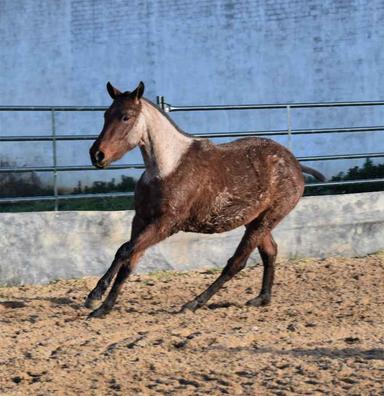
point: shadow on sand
(333, 353)
(56, 301)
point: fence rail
(54, 138)
(280, 132)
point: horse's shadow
(177, 309)
(19, 302)
(55, 301)
(222, 304)
(342, 353)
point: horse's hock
(44, 246)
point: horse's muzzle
(98, 158)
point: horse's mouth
(101, 165)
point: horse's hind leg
(268, 253)
(253, 236)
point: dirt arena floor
(323, 334)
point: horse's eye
(124, 118)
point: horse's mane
(167, 117)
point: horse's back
(251, 165)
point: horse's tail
(313, 172)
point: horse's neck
(162, 145)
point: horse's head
(122, 130)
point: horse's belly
(211, 228)
(225, 220)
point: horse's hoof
(91, 303)
(190, 306)
(259, 301)
(97, 313)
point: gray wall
(201, 52)
(41, 247)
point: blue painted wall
(200, 52)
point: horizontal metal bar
(131, 194)
(293, 132)
(42, 138)
(48, 138)
(339, 157)
(66, 197)
(68, 168)
(337, 130)
(45, 138)
(171, 108)
(202, 107)
(214, 135)
(55, 108)
(345, 183)
(141, 166)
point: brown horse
(193, 185)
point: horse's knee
(124, 251)
(233, 267)
(268, 248)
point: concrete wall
(193, 52)
(41, 247)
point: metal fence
(54, 138)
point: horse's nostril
(99, 156)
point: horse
(193, 185)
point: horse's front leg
(97, 293)
(127, 258)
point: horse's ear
(138, 92)
(113, 92)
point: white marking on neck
(161, 144)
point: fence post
(289, 125)
(160, 102)
(54, 155)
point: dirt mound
(323, 334)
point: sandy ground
(323, 334)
